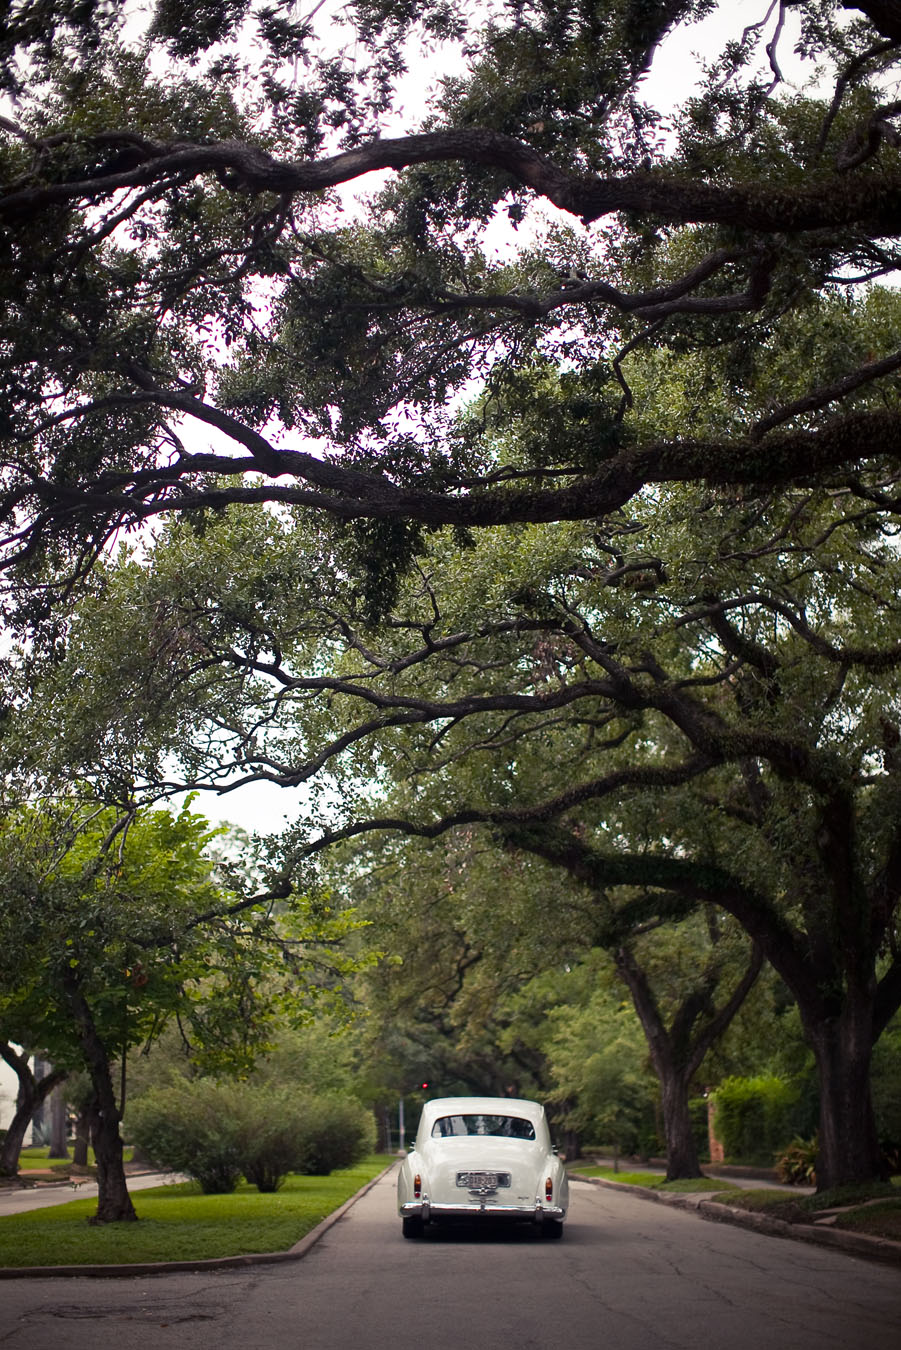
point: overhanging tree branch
(353, 494)
(872, 205)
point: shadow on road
(492, 1232)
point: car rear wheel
(413, 1227)
(552, 1228)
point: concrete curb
(295, 1253)
(839, 1239)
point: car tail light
(417, 1186)
(548, 1189)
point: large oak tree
(696, 704)
(194, 315)
(193, 320)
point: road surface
(628, 1275)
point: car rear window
(508, 1127)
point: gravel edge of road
(295, 1253)
(853, 1244)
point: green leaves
(207, 23)
(138, 913)
(598, 1062)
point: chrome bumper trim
(425, 1210)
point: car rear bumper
(478, 1209)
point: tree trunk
(59, 1146)
(113, 1201)
(849, 1151)
(11, 1145)
(82, 1135)
(31, 1093)
(674, 1074)
(570, 1142)
(681, 1149)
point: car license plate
(479, 1181)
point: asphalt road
(628, 1275)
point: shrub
(217, 1132)
(797, 1166)
(338, 1132)
(191, 1127)
(273, 1136)
(886, 1088)
(757, 1117)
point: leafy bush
(699, 1111)
(797, 1166)
(756, 1118)
(886, 1087)
(338, 1132)
(192, 1127)
(274, 1135)
(215, 1132)
(285, 1131)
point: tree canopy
(196, 311)
(652, 350)
(694, 704)
(114, 926)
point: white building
(9, 1087)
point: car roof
(469, 1106)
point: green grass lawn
(38, 1159)
(654, 1180)
(180, 1223)
(879, 1220)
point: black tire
(552, 1228)
(413, 1227)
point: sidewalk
(21, 1199)
(746, 1178)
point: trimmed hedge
(217, 1132)
(192, 1127)
(336, 1132)
(757, 1118)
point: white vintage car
(482, 1158)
